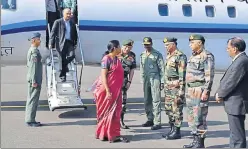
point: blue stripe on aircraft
(124, 26)
(160, 24)
(24, 24)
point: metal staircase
(63, 94)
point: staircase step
(66, 88)
(69, 76)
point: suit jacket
(234, 86)
(57, 37)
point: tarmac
(75, 128)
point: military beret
(128, 42)
(196, 37)
(169, 39)
(147, 40)
(35, 35)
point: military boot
(148, 124)
(175, 134)
(123, 126)
(171, 129)
(199, 142)
(191, 145)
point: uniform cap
(35, 35)
(128, 42)
(196, 37)
(147, 40)
(169, 39)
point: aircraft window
(209, 11)
(8, 4)
(231, 11)
(187, 10)
(163, 9)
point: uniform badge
(151, 66)
(34, 59)
(146, 39)
(191, 37)
(165, 40)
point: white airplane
(103, 20)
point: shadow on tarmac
(20, 105)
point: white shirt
(68, 30)
(50, 6)
(237, 56)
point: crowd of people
(184, 81)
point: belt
(68, 41)
(173, 78)
(195, 84)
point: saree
(108, 111)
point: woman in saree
(107, 95)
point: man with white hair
(233, 91)
(64, 38)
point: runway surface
(75, 128)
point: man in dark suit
(233, 91)
(64, 38)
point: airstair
(62, 95)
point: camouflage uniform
(175, 71)
(128, 63)
(152, 75)
(199, 80)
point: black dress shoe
(156, 127)
(63, 79)
(123, 126)
(33, 124)
(148, 124)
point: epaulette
(204, 54)
(207, 52)
(179, 52)
(144, 52)
(34, 50)
(157, 52)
